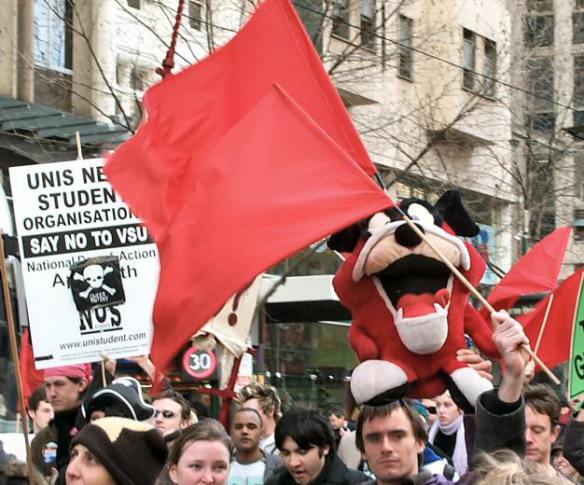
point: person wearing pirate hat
(122, 398)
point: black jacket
(334, 472)
(574, 445)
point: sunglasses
(165, 414)
(431, 409)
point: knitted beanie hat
(132, 452)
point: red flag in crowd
(556, 339)
(189, 113)
(232, 176)
(31, 378)
(275, 183)
(536, 272)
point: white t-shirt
(268, 444)
(248, 474)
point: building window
(468, 59)
(579, 225)
(579, 179)
(490, 67)
(138, 79)
(52, 34)
(541, 108)
(340, 17)
(578, 27)
(406, 59)
(539, 30)
(196, 15)
(579, 4)
(368, 23)
(540, 6)
(578, 93)
(134, 3)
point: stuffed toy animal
(410, 313)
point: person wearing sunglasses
(171, 412)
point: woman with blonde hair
(201, 454)
(504, 467)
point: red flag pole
(475, 292)
(14, 352)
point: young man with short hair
(172, 412)
(338, 421)
(264, 399)
(391, 437)
(39, 409)
(65, 387)
(307, 447)
(542, 417)
(249, 465)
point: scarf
(459, 455)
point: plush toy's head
(405, 301)
(414, 281)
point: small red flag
(189, 113)
(274, 184)
(556, 338)
(31, 378)
(536, 272)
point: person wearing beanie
(66, 386)
(116, 451)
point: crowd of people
(86, 433)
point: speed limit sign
(199, 364)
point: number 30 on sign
(199, 364)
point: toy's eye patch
(418, 212)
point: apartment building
(548, 132)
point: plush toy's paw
(378, 381)
(470, 384)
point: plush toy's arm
(480, 331)
(362, 344)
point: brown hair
(369, 413)
(185, 408)
(267, 397)
(206, 429)
(543, 400)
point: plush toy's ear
(455, 215)
(345, 241)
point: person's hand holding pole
(512, 344)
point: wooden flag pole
(103, 378)
(16, 363)
(475, 292)
(78, 142)
(543, 324)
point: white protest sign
(67, 213)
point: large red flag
(556, 338)
(536, 272)
(275, 183)
(187, 114)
